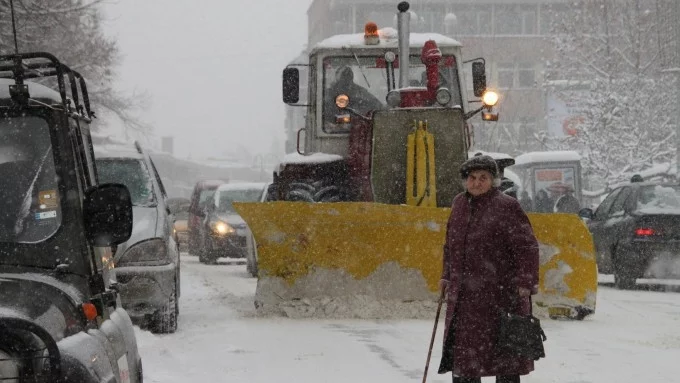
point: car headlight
(9, 368)
(221, 228)
(148, 253)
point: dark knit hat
(482, 162)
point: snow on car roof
(242, 186)
(117, 151)
(35, 90)
(313, 158)
(389, 37)
(549, 156)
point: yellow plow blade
(383, 261)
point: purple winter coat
(490, 252)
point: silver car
(147, 266)
(223, 232)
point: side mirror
(478, 78)
(586, 213)
(107, 211)
(291, 85)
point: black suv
(60, 314)
(147, 265)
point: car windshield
(130, 172)
(659, 197)
(226, 197)
(364, 80)
(30, 209)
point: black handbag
(521, 335)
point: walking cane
(434, 332)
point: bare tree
(71, 30)
(612, 50)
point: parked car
(636, 230)
(223, 232)
(147, 265)
(60, 316)
(179, 208)
(202, 193)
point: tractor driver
(360, 99)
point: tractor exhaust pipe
(403, 25)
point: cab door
(598, 229)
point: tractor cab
(60, 315)
(352, 77)
(548, 177)
(386, 132)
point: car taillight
(644, 232)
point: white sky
(212, 67)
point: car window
(30, 207)
(603, 210)
(659, 197)
(619, 204)
(130, 172)
(226, 197)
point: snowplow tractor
(358, 215)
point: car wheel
(203, 253)
(253, 267)
(623, 282)
(622, 278)
(165, 320)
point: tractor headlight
(490, 98)
(342, 101)
(222, 228)
(9, 368)
(443, 96)
(148, 253)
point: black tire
(622, 279)
(165, 319)
(202, 256)
(252, 269)
(623, 282)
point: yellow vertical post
(421, 187)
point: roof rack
(22, 66)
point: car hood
(144, 226)
(44, 300)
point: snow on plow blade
(370, 260)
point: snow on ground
(633, 337)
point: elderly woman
(490, 267)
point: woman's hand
(523, 292)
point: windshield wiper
(361, 68)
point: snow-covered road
(633, 337)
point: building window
(526, 75)
(507, 22)
(516, 75)
(506, 75)
(514, 20)
(474, 22)
(529, 22)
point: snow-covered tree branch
(612, 49)
(71, 30)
